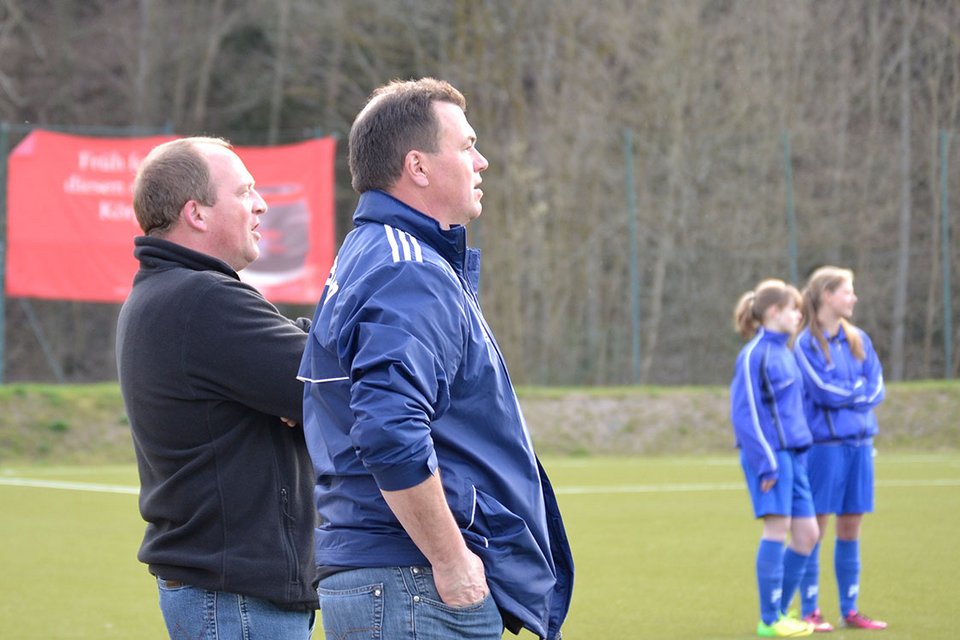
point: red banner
(70, 221)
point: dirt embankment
(87, 424)
(656, 421)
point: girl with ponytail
(766, 408)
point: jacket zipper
(293, 566)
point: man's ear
(415, 166)
(194, 216)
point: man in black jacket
(208, 371)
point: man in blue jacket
(436, 517)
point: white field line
(69, 486)
(571, 490)
(724, 486)
(650, 488)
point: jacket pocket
(520, 576)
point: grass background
(663, 539)
(664, 548)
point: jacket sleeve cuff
(398, 478)
(770, 475)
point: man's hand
(461, 585)
(457, 572)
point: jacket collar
(156, 254)
(773, 336)
(382, 208)
(838, 337)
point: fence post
(4, 144)
(634, 256)
(791, 218)
(945, 257)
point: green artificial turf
(664, 548)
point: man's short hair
(172, 174)
(398, 118)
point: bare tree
(708, 89)
(281, 47)
(906, 166)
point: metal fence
(599, 276)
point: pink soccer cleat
(819, 623)
(856, 620)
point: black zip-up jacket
(207, 366)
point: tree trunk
(279, 69)
(214, 35)
(903, 244)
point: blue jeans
(197, 614)
(400, 603)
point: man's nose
(481, 163)
(260, 205)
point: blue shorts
(841, 475)
(790, 496)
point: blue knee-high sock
(810, 583)
(846, 560)
(770, 579)
(793, 566)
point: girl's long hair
(828, 279)
(748, 314)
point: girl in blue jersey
(844, 382)
(766, 408)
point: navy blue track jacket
(403, 377)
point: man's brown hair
(172, 174)
(398, 118)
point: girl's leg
(770, 566)
(847, 560)
(810, 582)
(803, 538)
